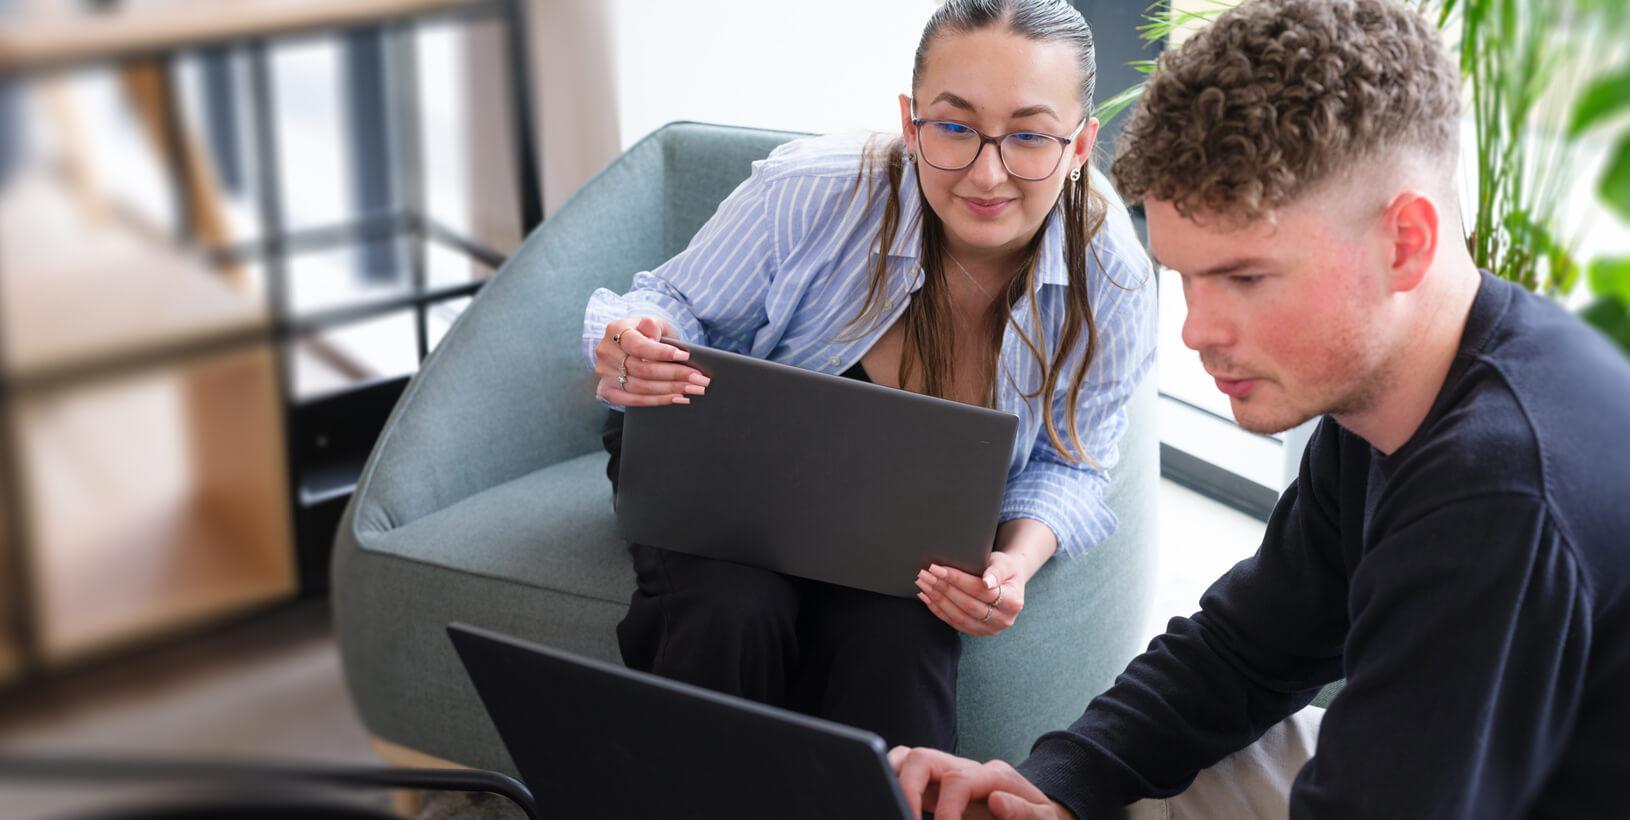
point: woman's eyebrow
(1019, 113)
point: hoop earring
(1075, 174)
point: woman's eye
(1245, 281)
(952, 129)
(1027, 139)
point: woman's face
(998, 83)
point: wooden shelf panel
(77, 289)
(38, 40)
(174, 570)
(157, 502)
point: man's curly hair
(1277, 96)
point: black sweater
(1473, 587)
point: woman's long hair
(930, 321)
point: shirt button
(834, 361)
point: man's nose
(1204, 328)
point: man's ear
(1411, 227)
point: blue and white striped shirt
(781, 270)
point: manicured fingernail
(990, 582)
(697, 378)
(922, 597)
(939, 570)
(681, 400)
(681, 355)
(694, 389)
(922, 575)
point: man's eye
(1245, 280)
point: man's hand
(956, 788)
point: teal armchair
(485, 499)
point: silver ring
(622, 381)
(989, 608)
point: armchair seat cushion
(552, 529)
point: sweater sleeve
(1465, 629)
(1267, 636)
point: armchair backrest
(506, 392)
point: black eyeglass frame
(1064, 146)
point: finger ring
(618, 339)
(623, 365)
(622, 381)
(989, 608)
(998, 601)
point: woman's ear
(1081, 149)
(907, 130)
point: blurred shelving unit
(143, 396)
(157, 470)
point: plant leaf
(1613, 188)
(1610, 277)
(1606, 95)
(1612, 318)
(1114, 105)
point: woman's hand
(637, 369)
(972, 604)
(989, 603)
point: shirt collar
(908, 238)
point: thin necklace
(988, 294)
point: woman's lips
(986, 207)
(1235, 388)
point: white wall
(803, 65)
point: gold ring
(989, 608)
(622, 381)
(998, 600)
(618, 339)
(622, 366)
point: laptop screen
(594, 740)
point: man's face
(1287, 314)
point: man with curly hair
(1455, 546)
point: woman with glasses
(976, 258)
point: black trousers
(878, 662)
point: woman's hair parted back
(1278, 96)
(929, 320)
(1039, 20)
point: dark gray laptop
(815, 475)
(593, 740)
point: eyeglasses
(1027, 155)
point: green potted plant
(1545, 80)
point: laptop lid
(815, 475)
(594, 740)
